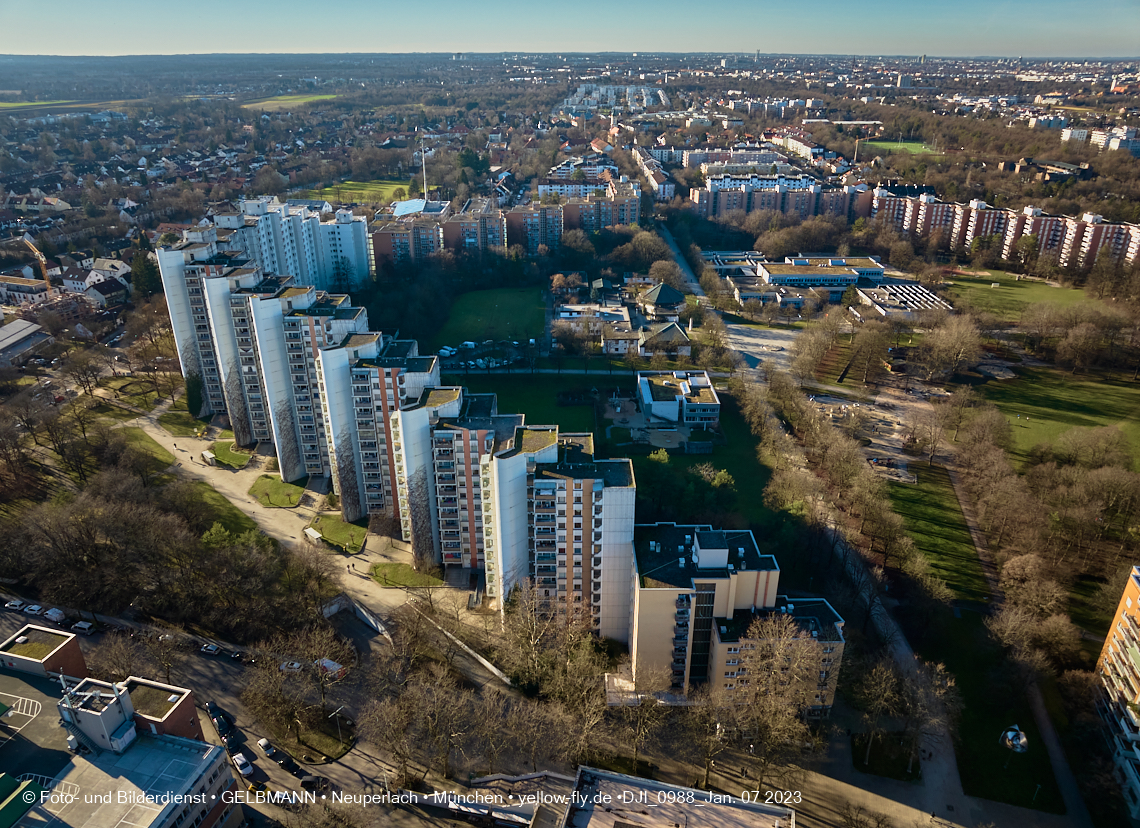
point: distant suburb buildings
(480, 226)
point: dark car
(285, 762)
(314, 783)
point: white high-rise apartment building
(287, 238)
(553, 513)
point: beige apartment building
(706, 587)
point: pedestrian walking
(176, 446)
(347, 568)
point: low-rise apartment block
(682, 397)
(697, 594)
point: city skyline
(971, 28)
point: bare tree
(645, 713)
(879, 696)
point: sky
(1029, 28)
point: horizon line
(628, 53)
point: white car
(266, 748)
(242, 764)
(14, 605)
(33, 609)
(290, 666)
(210, 649)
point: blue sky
(1033, 28)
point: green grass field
(285, 102)
(26, 104)
(379, 191)
(136, 392)
(272, 491)
(933, 517)
(179, 422)
(505, 313)
(1042, 403)
(348, 536)
(536, 396)
(402, 575)
(1012, 297)
(913, 147)
(222, 511)
(965, 647)
(146, 444)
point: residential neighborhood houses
(467, 437)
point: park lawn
(145, 443)
(178, 421)
(348, 536)
(274, 492)
(285, 101)
(933, 517)
(835, 362)
(222, 511)
(1043, 403)
(504, 313)
(912, 147)
(745, 509)
(379, 191)
(402, 575)
(536, 396)
(966, 648)
(1011, 297)
(225, 454)
(132, 391)
(108, 410)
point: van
(83, 628)
(55, 615)
(469, 345)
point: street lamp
(334, 713)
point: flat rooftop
(661, 568)
(38, 643)
(150, 767)
(666, 386)
(435, 397)
(153, 699)
(725, 812)
(814, 615)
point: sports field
(1012, 295)
(285, 101)
(505, 313)
(913, 147)
(1042, 403)
(379, 191)
(26, 104)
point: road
(690, 279)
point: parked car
(266, 748)
(242, 764)
(210, 649)
(290, 666)
(83, 628)
(14, 605)
(315, 783)
(329, 667)
(56, 616)
(33, 609)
